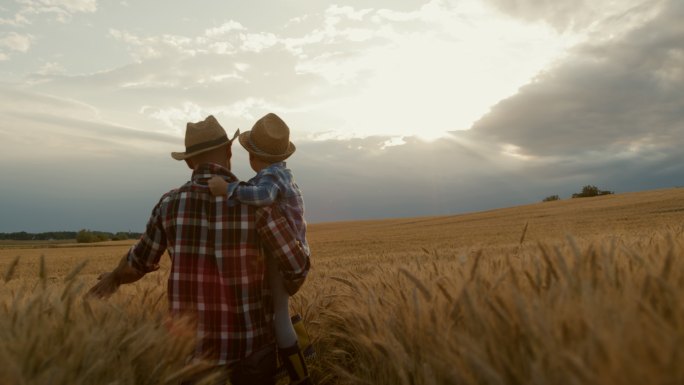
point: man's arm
(141, 259)
(280, 241)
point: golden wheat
(51, 334)
(601, 313)
(500, 297)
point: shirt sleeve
(145, 254)
(279, 239)
(262, 193)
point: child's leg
(284, 331)
(286, 336)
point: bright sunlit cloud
(426, 83)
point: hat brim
(247, 144)
(186, 155)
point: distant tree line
(82, 236)
(87, 236)
(587, 191)
(24, 236)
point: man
(217, 271)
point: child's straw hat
(269, 139)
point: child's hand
(218, 186)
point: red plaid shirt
(217, 270)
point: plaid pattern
(217, 273)
(275, 184)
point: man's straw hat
(269, 139)
(202, 137)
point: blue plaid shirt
(275, 183)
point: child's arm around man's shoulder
(218, 186)
(261, 191)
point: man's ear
(229, 154)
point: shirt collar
(277, 165)
(206, 171)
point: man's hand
(106, 286)
(109, 282)
(218, 186)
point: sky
(397, 109)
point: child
(268, 144)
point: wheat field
(580, 291)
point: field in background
(621, 215)
(581, 291)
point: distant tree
(551, 198)
(85, 236)
(121, 236)
(591, 191)
(102, 236)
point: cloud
(568, 15)
(61, 10)
(617, 99)
(64, 128)
(225, 28)
(12, 42)
(175, 118)
(73, 6)
(51, 68)
(165, 93)
(28, 12)
(229, 38)
(15, 21)
(395, 70)
(343, 26)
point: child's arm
(263, 193)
